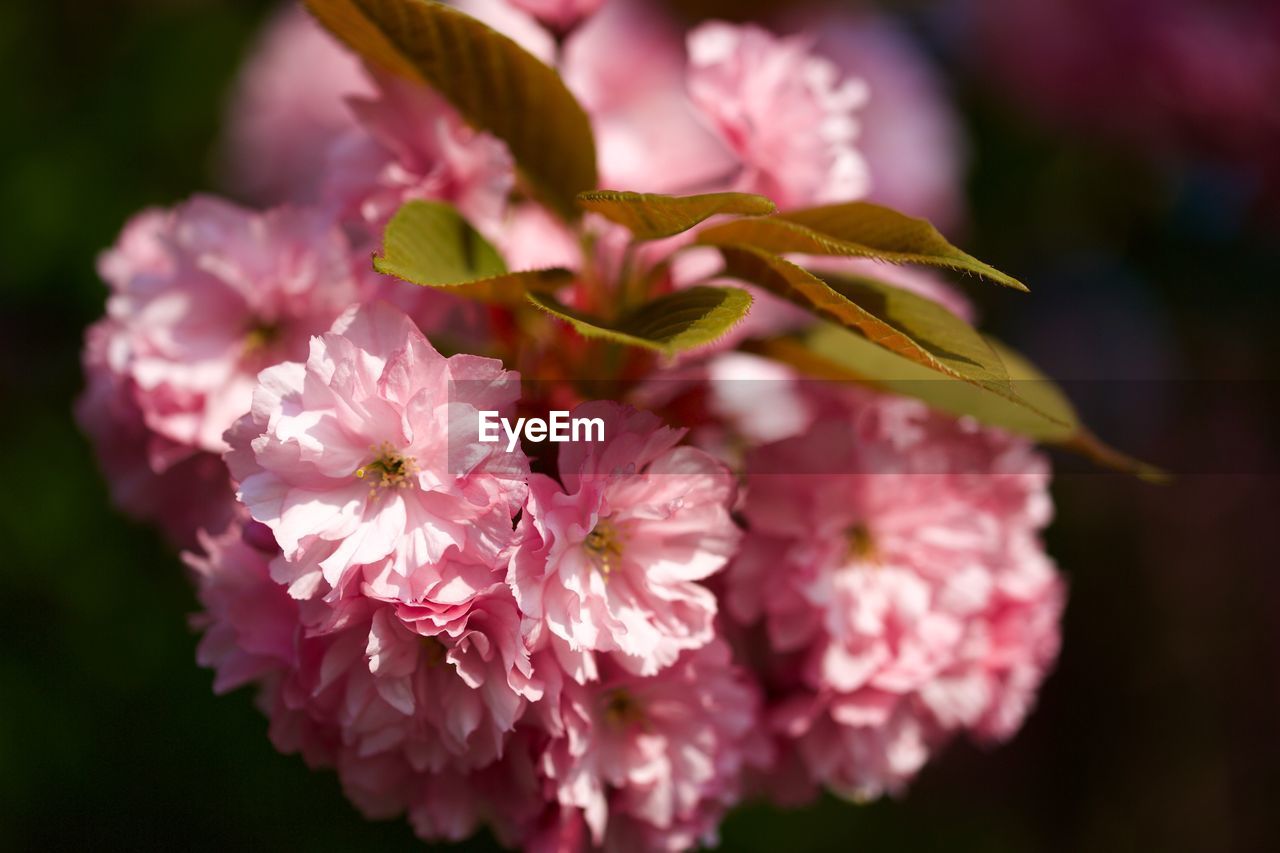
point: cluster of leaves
(869, 331)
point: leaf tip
(1088, 444)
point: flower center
(390, 469)
(621, 709)
(261, 336)
(604, 546)
(861, 546)
(433, 651)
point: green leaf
(493, 82)
(649, 216)
(429, 243)
(915, 328)
(859, 230)
(1042, 392)
(831, 352)
(669, 324)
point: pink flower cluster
(905, 596)
(609, 645)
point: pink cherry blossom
(532, 238)
(627, 66)
(151, 478)
(206, 295)
(651, 763)
(441, 685)
(202, 297)
(506, 795)
(787, 114)
(895, 555)
(466, 643)
(410, 144)
(759, 400)
(287, 109)
(909, 132)
(367, 453)
(611, 558)
(731, 402)
(559, 16)
(251, 625)
(406, 700)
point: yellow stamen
(604, 546)
(260, 336)
(621, 709)
(392, 469)
(861, 545)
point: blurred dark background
(1154, 270)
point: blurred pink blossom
(627, 66)
(909, 133)
(251, 626)
(287, 107)
(894, 554)
(150, 478)
(410, 144)
(559, 16)
(787, 114)
(202, 297)
(206, 295)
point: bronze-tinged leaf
(858, 229)
(649, 216)
(831, 352)
(429, 243)
(493, 82)
(1034, 386)
(669, 324)
(918, 329)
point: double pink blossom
(612, 557)
(440, 685)
(894, 557)
(628, 67)
(651, 763)
(151, 478)
(203, 296)
(408, 143)
(404, 699)
(206, 295)
(251, 626)
(366, 453)
(756, 90)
